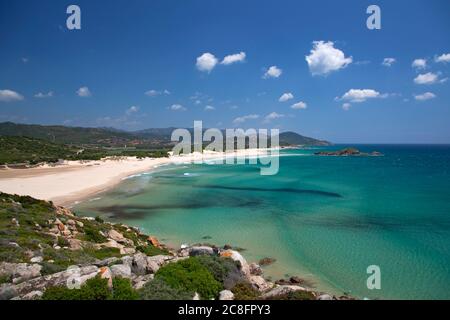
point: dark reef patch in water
(140, 211)
(290, 190)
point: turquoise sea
(325, 219)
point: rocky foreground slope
(47, 252)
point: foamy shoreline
(75, 180)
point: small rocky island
(348, 152)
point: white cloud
(7, 95)
(325, 58)
(361, 95)
(426, 78)
(272, 116)
(245, 118)
(44, 95)
(419, 63)
(299, 105)
(25, 60)
(387, 62)
(154, 93)
(84, 92)
(233, 58)
(209, 108)
(132, 109)
(206, 62)
(286, 96)
(443, 58)
(425, 96)
(177, 107)
(273, 72)
(346, 106)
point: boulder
(127, 260)
(200, 250)
(139, 264)
(140, 281)
(324, 297)
(121, 270)
(127, 250)
(255, 269)
(155, 262)
(196, 296)
(226, 295)
(116, 236)
(33, 295)
(20, 271)
(154, 241)
(266, 261)
(106, 262)
(74, 244)
(259, 283)
(282, 290)
(236, 256)
(36, 259)
(7, 292)
(57, 279)
(105, 273)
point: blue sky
(104, 74)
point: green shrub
(63, 242)
(224, 270)
(103, 253)
(91, 234)
(122, 290)
(244, 291)
(191, 276)
(99, 219)
(150, 250)
(158, 289)
(296, 295)
(61, 293)
(94, 289)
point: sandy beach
(74, 180)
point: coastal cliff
(47, 252)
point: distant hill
(67, 135)
(110, 137)
(292, 138)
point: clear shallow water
(325, 219)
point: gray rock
(37, 259)
(281, 290)
(324, 297)
(226, 295)
(7, 292)
(259, 283)
(139, 265)
(201, 250)
(236, 256)
(106, 262)
(127, 260)
(141, 281)
(33, 295)
(56, 279)
(255, 269)
(20, 271)
(121, 270)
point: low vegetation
(31, 151)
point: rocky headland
(47, 252)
